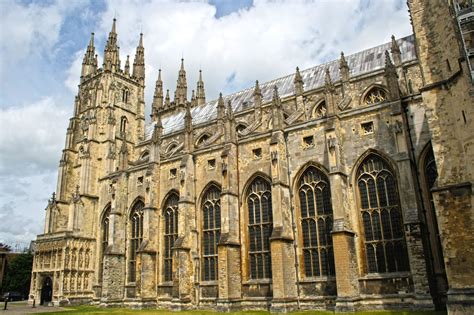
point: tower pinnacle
(89, 65)
(139, 62)
(111, 52)
(200, 94)
(181, 86)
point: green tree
(18, 274)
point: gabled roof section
(366, 61)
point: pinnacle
(113, 26)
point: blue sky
(234, 42)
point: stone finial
(158, 95)
(181, 86)
(220, 107)
(257, 91)
(277, 110)
(111, 51)
(89, 63)
(328, 84)
(299, 83)
(276, 101)
(389, 66)
(127, 66)
(157, 131)
(167, 99)
(200, 93)
(396, 52)
(188, 119)
(230, 112)
(343, 68)
(193, 99)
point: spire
(157, 97)
(299, 83)
(111, 52)
(139, 61)
(127, 66)
(200, 94)
(181, 86)
(396, 53)
(89, 65)
(343, 68)
(220, 107)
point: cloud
(235, 43)
(32, 137)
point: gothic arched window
(385, 245)
(203, 139)
(260, 226)
(320, 110)
(211, 230)
(105, 238)
(123, 125)
(316, 223)
(136, 238)
(170, 214)
(375, 95)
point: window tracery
(260, 226)
(170, 214)
(374, 96)
(211, 228)
(105, 241)
(381, 216)
(316, 223)
(320, 110)
(136, 238)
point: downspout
(293, 224)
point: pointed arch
(428, 176)
(380, 215)
(260, 226)
(170, 222)
(320, 109)
(374, 94)
(210, 230)
(136, 236)
(203, 137)
(315, 218)
(104, 237)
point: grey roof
(359, 63)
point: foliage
(18, 274)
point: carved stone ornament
(345, 103)
(332, 142)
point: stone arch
(364, 155)
(372, 88)
(203, 137)
(319, 110)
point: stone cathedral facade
(345, 186)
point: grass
(96, 310)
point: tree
(18, 274)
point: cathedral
(346, 186)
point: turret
(200, 94)
(89, 63)
(111, 52)
(139, 62)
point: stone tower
(445, 56)
(107, 123)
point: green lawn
(97, 310)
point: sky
(42, 43)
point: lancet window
(260, 226)
(316, 223)
(136, 238)
(170, 214)
(211, 229)
(385, 245)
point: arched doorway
(46, 291)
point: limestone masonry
(346, 186)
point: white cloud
(32, 137)
(263, 42)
